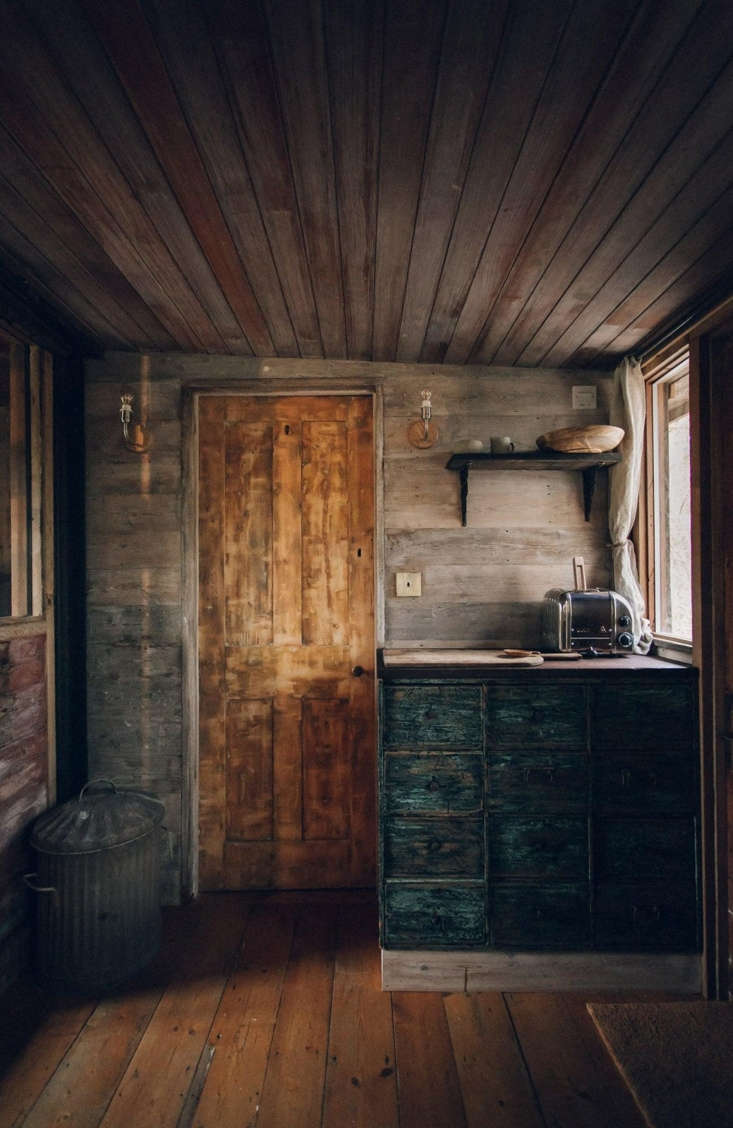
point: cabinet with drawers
(533, 810)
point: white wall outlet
(585, 396)
(408, 583)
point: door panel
(286, 505)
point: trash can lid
(96, 820)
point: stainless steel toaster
(581, 620)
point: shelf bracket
(589, 488)
(464, 492)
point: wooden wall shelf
(588, 464)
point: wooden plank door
(286, 642)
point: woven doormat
(677, 1059)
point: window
(668, 498)
(20, 481)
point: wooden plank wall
(483, 583)
(23, 787)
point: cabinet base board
(541, 971)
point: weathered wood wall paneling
(481, 584)
(23, 788)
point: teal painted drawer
(432, 716)
(538, 846)
(546, 716)
(538, 781)
(634, 918)
(649, 848)
(632, 783)
(440, 847)
(433, 784)
(541, 916)
(658, 718)
(434, 916)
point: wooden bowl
(582, 440)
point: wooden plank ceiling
(456, 181)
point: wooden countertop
(485, 664)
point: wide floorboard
(265, 1011)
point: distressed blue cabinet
(536, 810)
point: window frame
(657, 370)
(28, 503)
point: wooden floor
(267, 1010)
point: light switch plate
(408, 583)
(585, 396)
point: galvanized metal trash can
(98, 887)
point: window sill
(673, 648)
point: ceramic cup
(501, 444)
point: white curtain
(628, 410)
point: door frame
(190, 565)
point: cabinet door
(544, 716)
(432, 716)
(649, 718)
(537, 781)
(652, 917)
(642, 849)
(637, 783)
(434, 916)
(439, 847)
(541, 916)
(430, 784)
(538, 846)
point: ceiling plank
(702, 210)
(242, 43)
(24, 316)
(470, 44)
(710, 273)
(713, 225)
(413, 35)
(588, 46)
(45, 220)
(354, 34)
(296, 34)
(705, 246)
(684, 82)
(56, 292)
(38, 109)
(700, 134)
(622, 93)
(511, 102)
(166, 170)
(184, 41)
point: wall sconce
(134, 435)
(422, 433)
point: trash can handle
(94, 782)
(28, 879)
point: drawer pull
(433, 845)
(625, 777)
(433, 785)
(540, 775)
(639, 912)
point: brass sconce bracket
(135, 436)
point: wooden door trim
(708, 655)
(190, 690)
